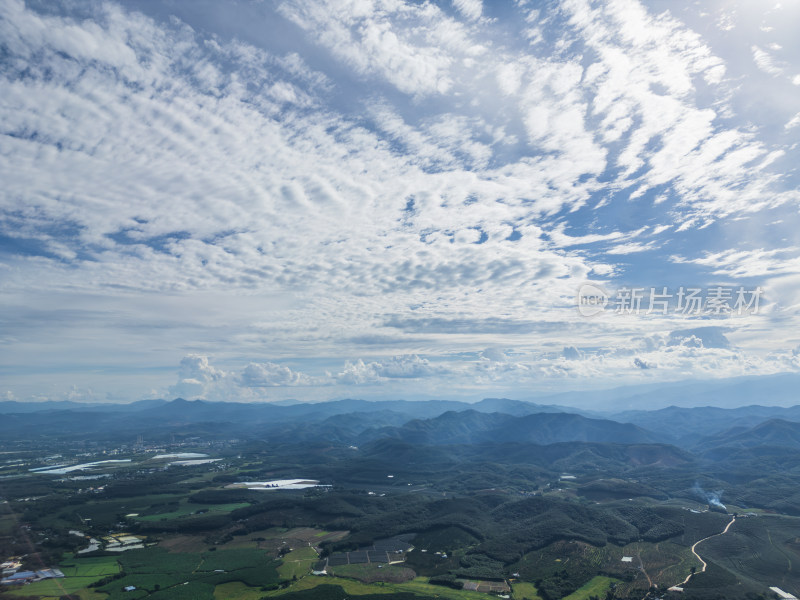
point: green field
(298, 562)
(419, 586)
(7, 523)
(597, 586)
(371, 573)
(90, 594)
(79, 573)
(356, 588)
(54, 587)
(328, 591)
(525, 591)
(233, 560)
(186, 509)
(159, 573)
(105, 513)
(236, 590)
(100, 566)
(152, 507)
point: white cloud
(269, 374)
(197, 378)
(371, 41)
(632, 248)
(197, 368)
(494, 354)
(700, 337)
(793, 122)
(748, 263)
(397, 367)
(562, 239)
(174, 183)
(765, 62)
(471, 9)
(646, 70)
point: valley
(459, 504)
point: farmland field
(421, 586)
(54, 587)
(525, 591)
(185, 509)
(189, 543)
(182, 574)
(236, 590)
(7, 523)
(350, 586)
(79, 573)
(597, 586)
(90, 567)
(370, 573)
(105, 513)
(90, 594)
(329, 591)
(298, 562)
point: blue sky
(266, 200)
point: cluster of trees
(502, 530)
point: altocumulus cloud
(197, 378)
(396, 367)
(452, 172)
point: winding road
(694, 551)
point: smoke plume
(712, 498)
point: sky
(311, 199)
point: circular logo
(592, 300)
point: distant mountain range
(471, 426)
(703, 430)
(771, 433)
(426, 408)
(773, 390)
(685, 426)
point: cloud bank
(394, 193)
